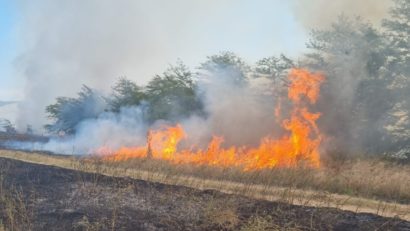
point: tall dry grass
(372, 178)
(362, 184)
(15, 212)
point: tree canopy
(67, 113)
(172, 95)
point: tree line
(365, 100)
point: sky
(51, 48)
(186, 31)
(9, 87)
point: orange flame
(301, 143)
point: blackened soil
(38, 197)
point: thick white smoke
(242, 114)
(109, 130)
(70, 43)
(321, 13)
(65, 44)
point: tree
(67, 113)
(356, 95)
(274, 67)
(345, 42)
(276, 71)
(397, 28)
(226, 65)
(125, 94)
(7, 126)
(172, 95)
(29, 130)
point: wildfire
(300, 143)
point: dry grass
(360, 185)
(260, 223)
(372, 179)
(369, 178)
(221, 215)
(14, 208)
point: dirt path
(288, 195)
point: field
(42, 191)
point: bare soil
(53, 198)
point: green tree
(397, 28)
(7, 126)
(67, 113)
(125, 94)
(172, 95)
(356, 95)
(273, 67)
(226, 65)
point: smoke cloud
(83, 42)
(240, 113)
(252, 119)
(321, 13)
(108, 130)
(69, 43)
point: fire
(300, 144)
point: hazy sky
(9, 86)
(93, 42)
(185, 29)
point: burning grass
(291, 161)
(301, 139)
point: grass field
(43, 197)
(360, 185)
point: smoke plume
(69, 43)
(252, 119)
(321, 13)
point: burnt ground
(38, 197)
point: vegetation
(366, 101)
(88, 197)
(7, 126)
(397, 33)
(15, 213)
(125, 94)
(226, 65)
(273, 67)
(367, 88)
(172, 95)
(352, 55)
(67, 113)
(359, 183)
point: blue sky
(252, 29)
(9, 87)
